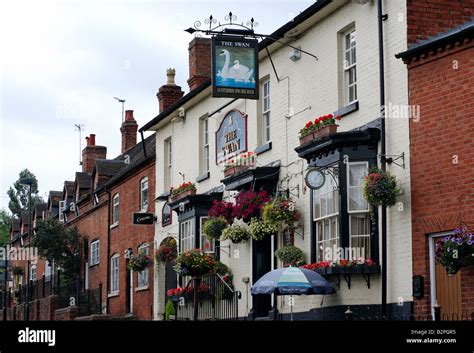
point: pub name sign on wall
(231, 137)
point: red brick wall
(127, 235)
(92, 224)
(442, 192)
(430, 17)
(199, 61)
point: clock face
(315, 179)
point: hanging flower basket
(194, 263)
(456, 251)
(183, 190)
(323, 126)
(139, 263)
(281, 212)
(259, 229)
(237, 233)
(167, 252)
(290, 255)
(213, 227)
(381, 188)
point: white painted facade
(309, 88)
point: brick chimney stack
(169, 93)
(91, 153)
(199, 61)
(129, 131)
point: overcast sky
(63, 62)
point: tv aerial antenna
(79, 128)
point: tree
(18, 193)
(61, 245)
(5, 223)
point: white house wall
(313, 86)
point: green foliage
(18, 193)
(169, 309)
(236, 233)
(290, 254)
(213, 227)
(260, 229)
(194, 263)
(61, 245)
(5, 224)
(381, 188)
(221, 268)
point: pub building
(197, 134)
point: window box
(322, 132)
(235, 170)
(182, 195)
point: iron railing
(88, 301)
(208, 298)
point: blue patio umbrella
(291, 281)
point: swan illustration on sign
(237, 72)
(235, 68)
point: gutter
(107, 285)
(381, 18)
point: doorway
(445, 290)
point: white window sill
(138, 289)
(114, 225)
(93, 265)
(113, 294)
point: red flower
(338, 117)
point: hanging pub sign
(234, 67)
(231, 137)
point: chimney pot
(170, 93)
(129, 131)
(170, 74)
(129, 115)
(91, 153)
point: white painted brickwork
(312, 84)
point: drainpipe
(381, 18)
(107, 284)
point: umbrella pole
(291, 307)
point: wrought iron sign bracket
(391, 158)
(221, 247)
(217, 28)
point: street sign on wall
(234, 67)
(143, 218)
(231, 137)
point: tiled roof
(108, 167)
(39, 208)
(83, 180)
(136, 158)
(55, 197)
(69, 187)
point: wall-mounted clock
(315, 179)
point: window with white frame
(143, 276)
(62, 208)
(266, 112)
(47, 270)
(207, 244)
(326, 217)
(168, 164)
(186, 241)
(144, 194)
(358, 209)
(349, 66)
(114, 273)
(204, 145)
(115, 209)
(95, 254)
(33, 273)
